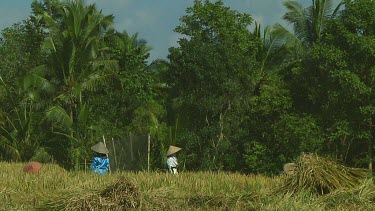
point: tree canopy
(235, 95)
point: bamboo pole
(131, 147)
(148, 151)
(114, 154)
(109, 166)
(370, 149)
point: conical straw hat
(290, 168)
(100, 148)
(172, 150)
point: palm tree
(18, 138)
(308, 23)
(271, 48)
(271, 51)
(75, 65)
(131, 52)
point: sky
(153, 20)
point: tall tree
(131, 91)
(354, 34)
(137, 94)
(75, 66)
(211, 73)
(333, 82)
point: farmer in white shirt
(172, 162)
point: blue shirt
(100, 165)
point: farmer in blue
(100, 163)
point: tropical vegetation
(235, 95)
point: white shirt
(172, 162)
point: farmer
(172, 162)
(100, 163)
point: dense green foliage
(234, 95)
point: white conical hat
(172, 150)
(100, 148)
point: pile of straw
(322, 175)
(242, 201)
(89, 202)
(124, 193)
(361, 196)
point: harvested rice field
(53, 188)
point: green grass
(161, 191)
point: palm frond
(309, 23)
(8, 137)
(97, 81)
(83, 114)
(154, 119)
(35, 78)
(285, 38)
(72, 60)
(296, 15)
(10, 147)
(132, 43)
(107, 66)
(48, 44)
(59, 116)
(70, 137)
(52, 24)
(14, 123)
(257, 29)
(295, 11)
(316, 14)
(90, 41)
(63, 97)
(266, 46)
(337, 9)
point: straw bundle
(159, 199)
(83, 201)
(362, 195)
(208, 200)
(89, 202)
(124, 193)
(322, 176)
(237, 201)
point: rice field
(53, 188)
